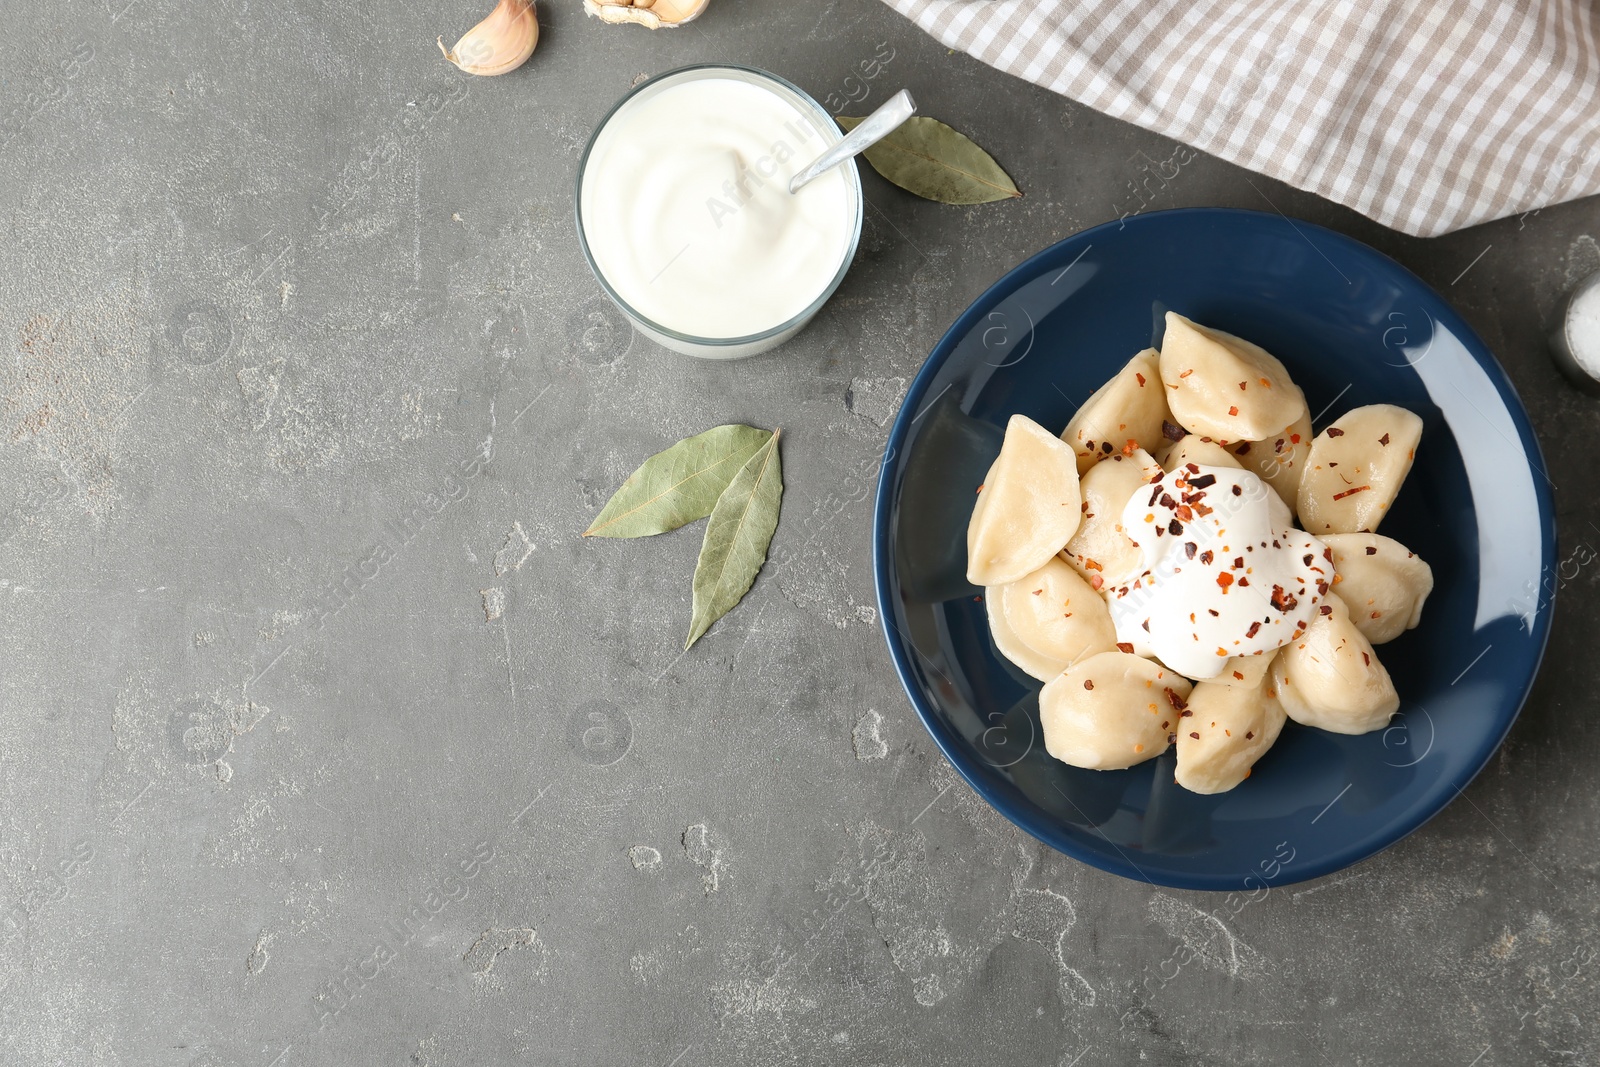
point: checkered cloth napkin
(1427, 115)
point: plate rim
(889, 465)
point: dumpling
(1048, 620)
(1331, 678)
(1130, 407)
(1280, 458)
(1382, 582)
(1111, 711)
(1356, 467)
(1223, 386)
(1100, 551)
(1027, 508)
(1199, 450)
(1230, 722)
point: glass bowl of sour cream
(685, 215)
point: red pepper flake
(1128, 449)
(1184, 512)
(1189, 549)
(1237, 491)
(1205, 481)
(1107, 447)
(1249, 735)
(1139, 376)
(977, 600)
(1201, 509)
(1282, 600)
(1243, 384)
(1233, 409)
(1224, 579)
(1244, 581)
(1255, 628)
(1146, 623)
(1334, 431)
(1095, 581)
(1265, 384)
(980, 488)
(1243, 449)
(1294, 439)
(1225, 731)
(1186, 373)
(1376, 614)
(1384, 440)
(1177, 702)
(1238, 561)
(1351, 492)
(1092, 564)
(1165, 723)
(1326, 609)
(1191, 468)
(1036, 592)
(1126, 646)
(1175, 527)
(1194, 735)
(1206, 556)
(1322, 587)
(1215, 613)
(1221, 652)
(1172, 431)
(1278, 446)
(1088, 683)
(1372, 550)
(1366, 659)
(1239, 676)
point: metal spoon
(874, 128)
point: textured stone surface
(322, 743)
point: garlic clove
(501, 42)
(654, 14)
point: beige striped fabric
(1426, 115)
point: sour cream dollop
(1225, 572)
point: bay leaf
(737, 537)
(678, 485)
(937, 162)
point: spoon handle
(874, 128)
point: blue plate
(1354, 328)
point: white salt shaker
(1575, 340)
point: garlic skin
(654, 14)
(501, 42)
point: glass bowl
(726, 347)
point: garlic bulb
(501, 42)
(656, 14)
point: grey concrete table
(324, 739)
